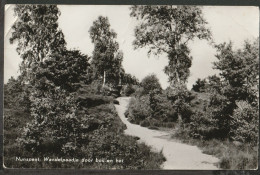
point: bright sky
(226, 23)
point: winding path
(178, 155)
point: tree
(66, 69)
(53, 73)
(106, 58)
(180, 98)
(150, 83)
(214, 84)
(239, 71)
(238, 82)
(168, 29)
(14, 91)
(200, 85)
(36, 31)
(129, 79)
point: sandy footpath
(178, 155)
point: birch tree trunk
(104, 79)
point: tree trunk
(120, 81)
(179, 119)
(104, 79)
(179, 82)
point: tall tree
(239, 78)
(168, 29)
(52, 71)
(106, 58)
(239, 71)
(37, 34)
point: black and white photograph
(132, 87)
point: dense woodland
(61, 105)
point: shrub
(139, 92)
(138, 109)
(129, 90)
(203, 125)
(153, 106)
(244, 123)
(242, 157)
(230, 155)
(180, 98)
(199, 85)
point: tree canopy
(168, 29)
(239, 70)
(150, 83)
(107, 58)
(52, 72)
(36, 31)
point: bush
(138, 109)
(139, 92)
(153, 109)
(95, 87)
(203, 125)
(180, 98)
(240, 158)
(244, 123)
(129, 90)
(98, 133)
(200, 85)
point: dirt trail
(178, 155)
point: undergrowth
(232, 155)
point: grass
(231, 155)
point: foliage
(52, 128)
(224, 115)
(129, 79)
(168, 29)
(153, 109)
(16, 115)
(214, 84)
(199, 85)
(180, 98)
(128, 90)
(65, 69)
(203, 125)
(244, 124)
(36, 31)
(68, 116)
(16, 94)
(232, 156)
(160, 109)
(93, 129)
(53, 72)
(107, 58)
(150, 83)
(239, 69)
(239, 81)
(231, 113)
(16, 108)
(138, 109)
